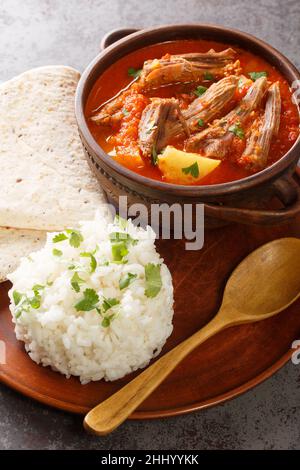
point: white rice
(75, 342)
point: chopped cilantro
(89, 301)
(126, 280)
(106, 305)
(200, 90)
(119, 251)
(200, 122)
(120, 236)
(154, 155)
(17, 297)
(24, 303)
(192, 170)
(153, 279)
(93, 263)
(107, 321)
(237, 130)
(59, 237)
(35, 302)
(75, 238)
(76, 281)
(56, 252)
(120, 221)
(241, 83)
(208, 76)
(125, 112)
(21, 302)
(105, 263)
(109, 303)
(38, 287)
(256, 75)
(132, 72)
(119, 245)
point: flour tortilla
(46, 183)
(14, 244)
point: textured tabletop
(40, 32)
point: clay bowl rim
(249, 182)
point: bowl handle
(115, 35)
(285, 188)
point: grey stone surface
(39, 32)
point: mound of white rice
(92, 303)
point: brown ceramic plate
(225, 366)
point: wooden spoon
(263, 284)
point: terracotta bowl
(238, 201)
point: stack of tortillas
(46, 183)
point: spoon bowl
(263, 284)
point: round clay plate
(225, 366)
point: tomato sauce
(125, 136)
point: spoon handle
(107, 416)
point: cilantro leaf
(241, 83)
(192, 170)
(107, 321)
(75, 238)
(200, 90)
(38, 287)
(24, 303)
(109, 303)
(240, 111)
(59, 237)
(122, 236)
(56, 252)
(132, 72)
(76, 281)
(93, 263)
(105, 263)
(208, 76)
(119, 245)
(119, 251)
(120, 221)
(126, 280)
(125, 112)
(154, 156)
(237, 130)
(35, 302)
(153, 280)
(89, 301)
(256, 75)
(200, 122)
(17, 296)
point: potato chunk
(183, 167)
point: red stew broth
(116, 78)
